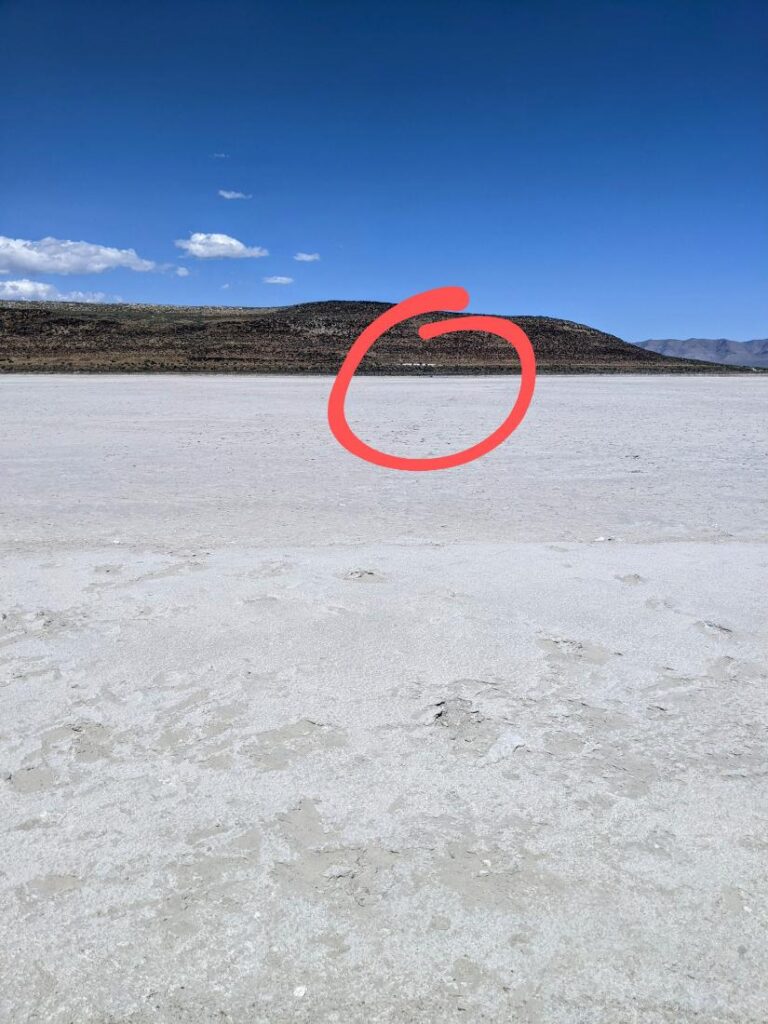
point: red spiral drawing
(432, 301)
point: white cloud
(226, 193)
(88, 297)
(277, 280)
(220, 156)
(25, 289)
(224, 287)
(209, 247)
(60, 256)
(37, 291)
(182, 272)
(307, 257)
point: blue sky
(602, 162)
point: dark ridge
(314, 337)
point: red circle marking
(432, 301)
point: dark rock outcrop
(309, 338)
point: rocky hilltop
(312, 337)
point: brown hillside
(309, 338)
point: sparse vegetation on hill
(309, 338)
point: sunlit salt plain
(289, 737)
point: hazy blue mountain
(712, 350)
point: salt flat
(288, 737)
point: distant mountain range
(717, 350)
(314, 337)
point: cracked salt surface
(286, 737)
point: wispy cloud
(216, 246)
(307, 257)
(61, 256)
(227, 193)
(219, 156)
(277, 279)
(181, 272)
(37, 291)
